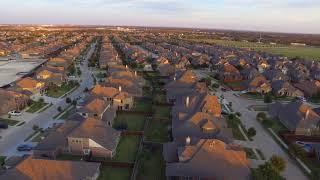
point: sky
(299, 16)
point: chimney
(307, 114)
(187, 101)
(126, 66)
(174, 78)
(188, 140)
(120, 88)
(135, 73)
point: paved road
(14, 136)
(262, 140)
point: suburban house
(94, 108)
(44, 169)
(229, 73)
(132, 87)
(29, 84)
(93, 138)
(259, 84)
(284, 88)
(205, 159)
(309, 88)
(297, 117)
(116, 97)
(50, 77)
(11, 100)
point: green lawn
(284, 50)
(277, 126)
(110, 173)
(158, 130)
(10, 122)
(67, 157)
(36, 106)
(57, 92)
(44, 109)
(152, 165)
(160, 98)
(162, 111)
(141, 105)
(127, 149)
(233, 123)
(134, 122)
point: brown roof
(229, 68)
(96, 106)
(42, 169)
(27, 83)
(104, 91)
(212, 105)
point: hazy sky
(262, 15)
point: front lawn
(10, 122)
(109, 173)
(158, 130)
(162, 111)
(233, 122)
(132, 122)
(127, 149)
(152, 165)
(56, 92)
(36, 106)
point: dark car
(24, 147)
(3, 125)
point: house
(44, 169)
(309, 88)
(166, 70)
(11, 100)
(132, 87)
(284, 88)
(94, 138)
(259, 84)
(58, 62)
(206, 159)
(297, 117)
(50, 77)
(119, 99)
(55, 143)
(94, 108)
(29, 84)
(229, 73)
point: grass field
(134, 122)
(127, 149)
(312, 53)
(107, 173)
(152, 165)
(10, 122)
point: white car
(14, 113)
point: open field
(307, 52)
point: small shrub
(252, 132)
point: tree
(238, 114)
(278, 163)
(41, 100)
(261, 115)
(297, 150)
(59, 109)
(252, 132)
(35, 127)
(267, 98)
(266, 172)
(68, 100)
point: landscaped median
(36, 106)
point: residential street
(262, 140)
(14, 136)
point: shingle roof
(42, 169)
(97, 131)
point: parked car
(24, 147)
(15, 113)
(3, 125)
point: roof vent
(188, 140)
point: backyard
(152, 164)
(132, 122)
(107, 172)
(127, 149)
